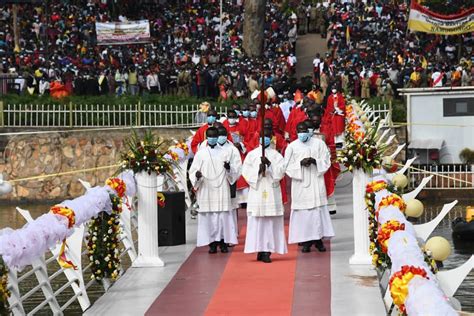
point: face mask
(253, 114)
(303, 137)
(232, 121)
(237, 112)
(334, 91)
(211, 119)
(268, 107)
(245, 113)
(310, 131)
(212, 141)
(221, 140)
(266, 141)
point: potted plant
(467, 157)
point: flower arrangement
(4, 292)
(147, 155)
(71, 217)
(361, 150)
(399, 284)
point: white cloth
(311, 224)
(307, 183)
(216, 226)
(264, 192)
(236, 163)
(213, 188)
(265, 234)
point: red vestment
(337, 120)
(297, 115)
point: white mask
(232, 121)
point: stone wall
(39, 154)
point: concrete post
(361, 224)
(148, 255)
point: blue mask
(221, 140)
(245, 113)
(212, 141)
(310, 131)
(253, 114)
(211, 120)
(303, 137)
(266, 141)
(237, 112)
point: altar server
(212, 173)
(307, 159)
(265, 224)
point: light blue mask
(237, 112)
(221, 140)
(266, 141)
(212, 141)
(253, 114)
(303, 137)
(311, 131)
(245, 113)
(211, 120)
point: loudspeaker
(172, 220)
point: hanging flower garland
(399, 284)
(4, 292)
(104, 236)
(378, 257)
(71, 217)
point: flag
(423, 20)
(348, 35)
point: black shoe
(332, 212)
(224, 248)
(319, 245)
(259, 256)
(266, 257)
(301, 244)
(213, 247)
(306, 247)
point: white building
(440, 123)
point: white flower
(107, 259)
(91, 258)
(94, 238)
(97, 262)
(144, 158)
(109, 231)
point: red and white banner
(423, 20)
(117, 33)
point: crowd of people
(235, 166)
(58, 44)
(371, 53)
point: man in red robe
(200, 135)
(336, 113)
(237, 133)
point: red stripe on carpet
(193, 286)
(312, 293)
(250, 287)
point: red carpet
(249, 287)
(237, 284)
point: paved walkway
(308, 46)
(196, 283)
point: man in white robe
(307, 159)
(211, 175)
(235, 162)
(265, 223)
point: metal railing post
(390, 112)
(71, 115)
(1, 114)
(139, 114)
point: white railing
(104, 115)
(382, 112)
(444, 176)
(55, 288)
(99, 115)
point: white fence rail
(444, 176)
(102, 115)
(54, 293)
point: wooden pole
(262, 116)
(16, 30)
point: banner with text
(116, 33)
(423, 20)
